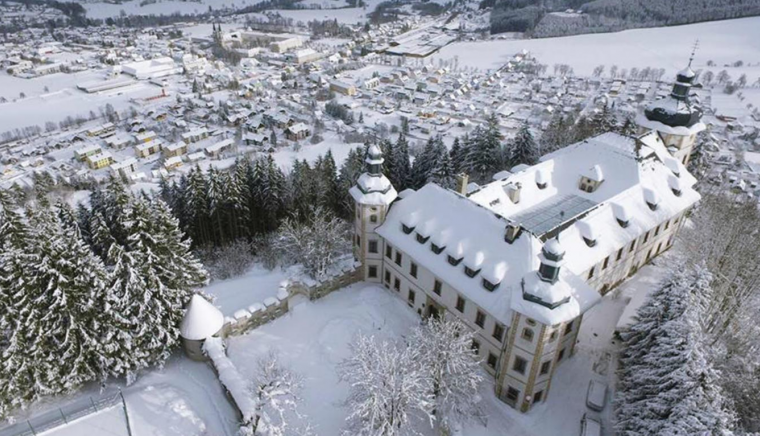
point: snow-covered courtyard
(316, 336)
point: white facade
(521, 259)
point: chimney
(512, 233)
(462, 180)
(513, 191)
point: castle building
(521, 259)
(676, 117)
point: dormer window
(422, 239)
(676, 192)
(453, 261)
(406, 229)
(623, 223)
(541, 185)
(490, 287)
(470, 272)
(436, 249)
(589, 242)
(651, 198)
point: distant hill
(546, 18)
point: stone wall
(257, 314)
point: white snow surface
(230, 377)
(723, 42)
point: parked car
(590, 426)
(596, 397)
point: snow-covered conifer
(524, 149)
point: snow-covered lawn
(663, 47)
(108, 422)
(315, 337)
(239, 292)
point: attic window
(541, 185)
(422, 239)
(406, 229)
(470, 272)
(623, 223)
(436, 249)
(652, 206)
(454, 261)
(589, 242)
(676, 192)
(490, 287)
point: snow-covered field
(664, 47)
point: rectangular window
(397, 284)
(373, 246)
(633, 245)
(372, 271)
(520, 365)
(538, 396)
(561, 354)
(388, 276)
(411, 297)
(475, 346)
(546, 367)
(667, 224)
(646, 237)
(492, 359)
(413, 270)
(606, 262)
(460, 304)
(619, 254)
(527, 334)
(358, 241)
(591, 273)
(498, 332)
(398, 258)
(512, 394)
(388, 251)
(569, 328)
(373, 218)
(480, 319)
(657, 230)
(437, 287)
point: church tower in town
(372, 196)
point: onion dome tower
(677, 117)
(372, 196)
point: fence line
(65, 414)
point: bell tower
(372, 194)
(677, 118)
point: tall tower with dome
(372, 194)
(677, 118)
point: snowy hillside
(666, 47)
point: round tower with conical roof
(677, 117)
(202, 320)
(372, 194)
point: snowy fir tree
(667, 385)
(399, 173)
(443, 174)
(445, 350)
(387, 390)
(523, 149)
(483, 152)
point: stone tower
(545, 323)
(372, 196)
(677, 118)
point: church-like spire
(374, 160)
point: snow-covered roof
(202, 320)
(637, 171)
(373, 190)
